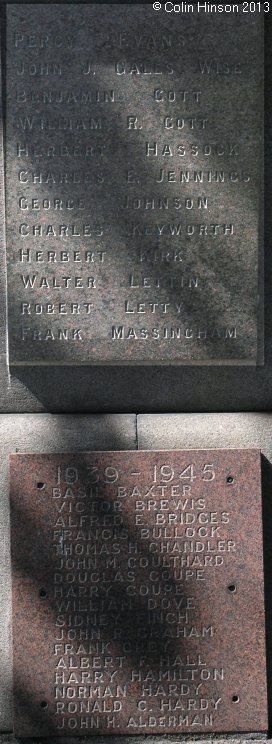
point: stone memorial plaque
(133, 183)
(138, 602)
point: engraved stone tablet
(138, 593)
(134, 141)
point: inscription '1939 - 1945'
(137, 579)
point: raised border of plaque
(138, 599)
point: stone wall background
(39, 394)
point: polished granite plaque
(138, 602)
(134, 183)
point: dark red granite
(138, 603)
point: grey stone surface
(151, 389)
(3, 278)
(216, 430)
(149, 265)
(44, 433)
(106, 390)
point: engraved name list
(133, 186)
(132, 578)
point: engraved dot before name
(232, 588)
